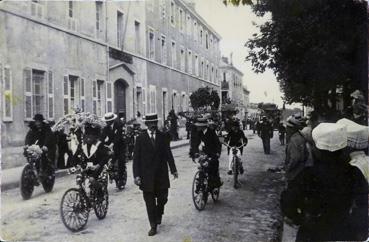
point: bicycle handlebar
(225, 144)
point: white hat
(109, 117)
(330, 136)
(357, 135)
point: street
(250, 213)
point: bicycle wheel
(102, 203)
(199, 193)
(48, 182)
(235, 172)
(26, 183)
(74, 211)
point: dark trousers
(266, 145)
(214, 172)
(155, 202)
(120, 160)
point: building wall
(167, 75)
(49, 43)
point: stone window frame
(151, 48)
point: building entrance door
(120, 87)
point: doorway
(120, 90)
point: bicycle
(76, 203)
(236, 164)
(32, 174)
(200, 185)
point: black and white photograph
(184, 120)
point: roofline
(193, 11)
(231, 67)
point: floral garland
(72, 122)
(34, 151)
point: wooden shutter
(28, 109)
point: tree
(205, 97)
(313, 47)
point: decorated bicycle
(39, 151)
(91, 159)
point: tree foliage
(205, 97)
(312, 46)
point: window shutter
(50, 95)
(94, 96)
(66, 94)
(27, 77)
(82, 93)
(109, 97)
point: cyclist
(40, 134)
(235, 137)
(211, 146)
(94, 151)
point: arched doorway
(120, 87)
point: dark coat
(150, 162)
(265, 130)
(114, 135)
(236, 138)
(44, 137)
(99, 155)
(211, 141)
(333, 198)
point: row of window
(39, 95)
(180, 102)
(200, 68)
(189, 25)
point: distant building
(231, 85)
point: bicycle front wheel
(74, 211)
(199, 192)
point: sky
(235, 25)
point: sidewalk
(10, 177)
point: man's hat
(38, 117)
(295, 120)
(330, 136)
(201, 122)
(357, 135)
(151, 117)
(109, 117)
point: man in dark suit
(113, 135)
(151, 157)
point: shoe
(158, 220)
(152, 231)
(229, 172)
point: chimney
(225, 59)
(191, 4)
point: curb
(12, 185)
(62, 173)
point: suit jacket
(115, 136)
(211, 142)
(150, 162)
(99, 154)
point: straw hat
(109, 117)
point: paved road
(250, 213)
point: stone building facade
(97, 56)
(183, 55)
